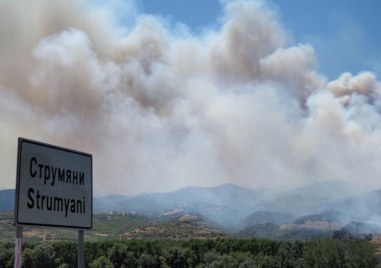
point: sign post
(53, 188)
(81, 251)
(18, 247)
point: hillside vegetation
(116, 226)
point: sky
(168, 94)
(344, 34)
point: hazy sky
(167, 94)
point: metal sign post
(81, 249)
(18, 247)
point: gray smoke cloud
(160, 107)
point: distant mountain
(225, 204)
(332, 212)
(230, 205)
(284, 226)
(364, 207)
(108, 203)
(7, 200)
(310, 198)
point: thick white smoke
(161, 108)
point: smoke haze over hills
(160, 107)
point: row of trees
(197, 253)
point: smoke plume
(160, 107)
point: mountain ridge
(235, 207)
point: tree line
(219, 252)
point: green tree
(6, 256)
(101, 262)
(324, 253)
(44, 255)
(66, 252)
(28, 258)
(290, 254)
(361, 254)
(246, 264)
(177, 257)
(148, 261)
(214, 259)
(224, 261)
(118, 254)
(266, 261)
(245, 259)
(130, 261)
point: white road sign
(54, 186)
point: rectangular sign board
(54, 186)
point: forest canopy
(220, 252)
